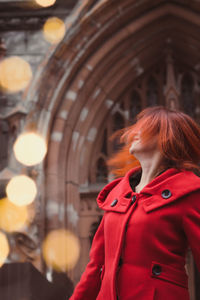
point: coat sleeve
(90, 282)
(191, 225)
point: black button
(166, 194)
(156, 270)
(114, 202)
(133, 199)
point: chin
(134, 151)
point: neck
(151, 167)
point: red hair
(178, 140)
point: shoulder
(117, 187)
(182, 182)
(107, 189)
(191, 188)
(110, 186)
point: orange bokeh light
(54, 30)
(4, 249)
(61, 250)
(12, 217)
(15, 74)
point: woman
(152, 214)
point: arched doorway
(111, 64)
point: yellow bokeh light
(12, 217)
(30, 148)
(21, 190)
(45, 3)
(61, 250)
(4, 249)
(15, 74)
(54, 30)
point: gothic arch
(88, 73)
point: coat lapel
(116, 196)
(178, 184)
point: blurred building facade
(116, 58)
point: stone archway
(97, 62)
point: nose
(137, 135)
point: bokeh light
(4, 249)
(30, 148)
(45, 3)
(12, 217)
(61, 250)
(21, 190)
(54, 30)
(15, 74)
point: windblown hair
(178, 140)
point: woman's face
(138, 146)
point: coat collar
(173, 183)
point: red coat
(138, 251)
